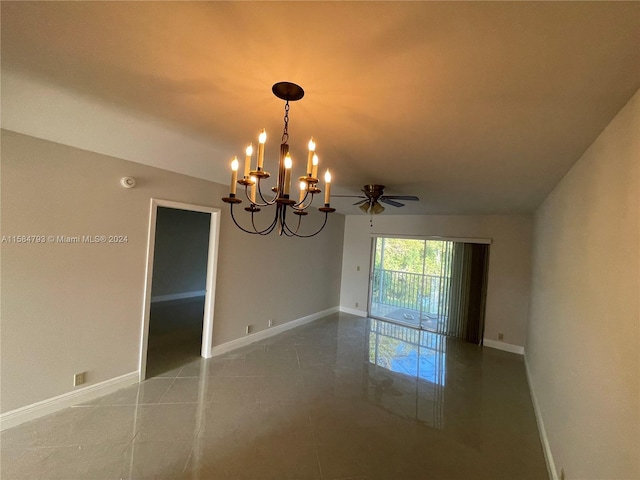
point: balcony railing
(426, 294)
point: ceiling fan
(374, 196)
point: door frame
(212, 262)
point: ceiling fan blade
(402, 197)
(391, 202)
(361, 201)
(348, 196)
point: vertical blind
(467, 292)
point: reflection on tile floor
(342, 398)
(175, 335)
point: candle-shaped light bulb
(261, 139)
(303, 189)
(327, 186)
(312, 148)
(315, 161)
(253, 189)
(234, 175)
(247, 161)
(288, 163)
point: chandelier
(281, 199)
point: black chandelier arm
(266, 202)
(291, 233)
(246, 193)
(300, 206)
(282, 217)
(266, 231)
(283, 227)
(233, 217)
(299, 223)
(280, 220)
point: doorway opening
(433, 285)
(182, 251)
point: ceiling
(476, 107)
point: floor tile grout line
(167, 390)
(298, 359)
(315, 447)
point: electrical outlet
(500, 336)
(357, 304)
(248, 329)
(358, 268)
(78, 379)
(271, 323)
(562, 474)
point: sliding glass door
(433, 285)
(410, 282)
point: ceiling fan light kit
(251, 180)
(376, 208)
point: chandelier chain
(285, 132)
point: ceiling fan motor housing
(373, 191)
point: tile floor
(341, 398)
(175, 334)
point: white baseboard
(178, 296)
(269, 332)
(353, 311)
(52, 405)
(507, 347)
(546, 448)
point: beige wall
(509, 262)
(583, 344)
(68, 308)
